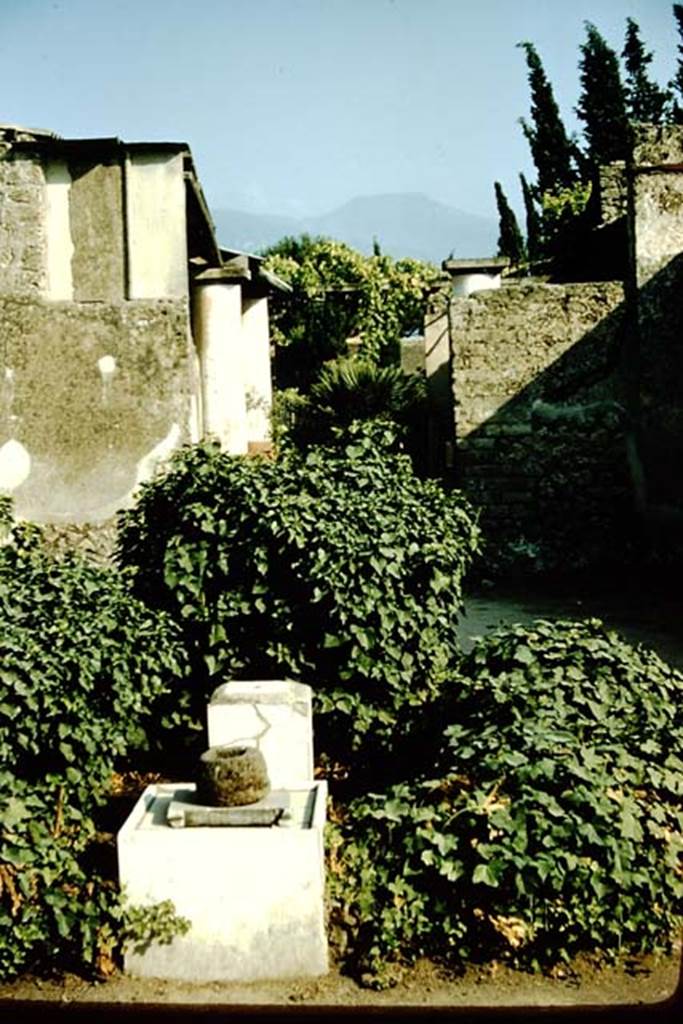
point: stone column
(217, 316)
(256, 369)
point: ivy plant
(81, 663)
(337, 567)
(549, 824)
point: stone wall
(656, 355)
(93, 397)
(22, 224)
(538, 408)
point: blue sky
(295, 106)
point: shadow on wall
(577, 461)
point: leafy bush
(337, 293)
(80, 665)
(338, 568)
(553, 823)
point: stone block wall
(22, 224)
(538, 409)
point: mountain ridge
(405, 224)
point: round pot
(231, 776)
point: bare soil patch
(641, 981)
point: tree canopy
(550, 146)
(602, 103)
(510, 241)
(338, 295)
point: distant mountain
(406, 224)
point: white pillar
(218, 333)
(58, 229)
(256, 368)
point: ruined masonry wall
(23, 246)
(537, 405)
(510, 340)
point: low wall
(93, 398)
(540, 415)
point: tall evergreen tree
(602, 103)
(551, 149)
(677, 83)
(534, 226)
(645, 100)
(510, 241)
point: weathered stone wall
(507, 345)
(656, 356)
(22, 224)
(538, 413)
(93, 397)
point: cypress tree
(510, 241)
(645, 101)
(677, 83)
(551, 149)
(602, 104)
(534, 229)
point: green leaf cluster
(337, 294)
(551, 822)
(337, 567)
(81, 663)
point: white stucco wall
(156, 226)
(58, 231)
(217, 315)
(466, 284)
(256, 368)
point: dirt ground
(647, 980)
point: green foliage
(351, 389)
(510, 241)
(145, 924)
(646, 102)
(551, 148)
(533, 223)
(553, 824)
(81, 663)
(602, 103)
(567, 222)
(676, 84)
(337, 567)
(338, 293)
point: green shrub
(552, 823)
(80, 665)
(338, 568)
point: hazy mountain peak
(404, 223)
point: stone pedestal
(254, 896)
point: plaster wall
(258, 388)
(23, 256)
(93, 398)
(156, 226)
